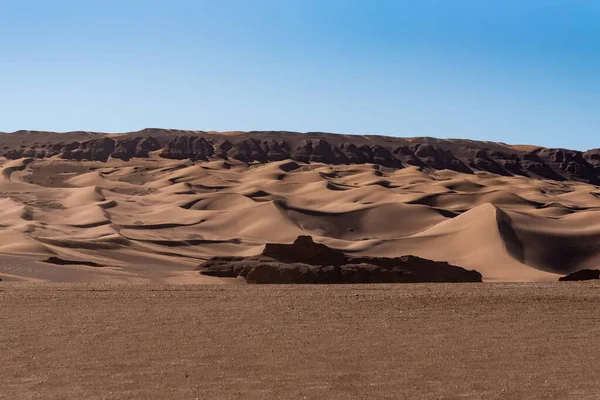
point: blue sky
(511, 71)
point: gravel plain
(417, 341)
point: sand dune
(154, 219)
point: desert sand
(153, 220)
(416, 341)
(98, 233)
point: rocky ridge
(464, 156)
(307, 262)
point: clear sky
(517, 71)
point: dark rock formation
(248, 150)
(380, 155)
(54, 149)
(592, 157)
(305, 261)
(465, 156)
(532, 163)
(91, 150)
(437, 158)
(572, 163)
(13, 154)
(319, 151)
(582, 275)
(276, 150)
(305, 250)
(125, 149)
(481, 160)
(135, 147)
(354, 154)
(192, 147)
(407, 157)
(511, 163)
(222, 147)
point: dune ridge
(154, 219)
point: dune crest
(149, 217)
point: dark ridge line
(460, 155)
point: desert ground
(100, 240)
(417, 341)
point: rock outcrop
(319, 151)
(592, 157)
(437, 158)
(307, 262)
(138, 147)
(570, 162)
(248, 150)
(91, 150)
(276, 150)
(465, 156)
(192, 147)
(582, 275)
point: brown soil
(427, 341)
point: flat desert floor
(423, 341)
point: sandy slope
(154, 220)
